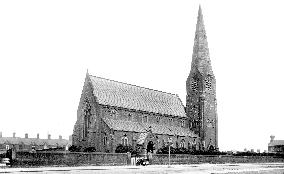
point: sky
(46, 48)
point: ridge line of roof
(135, 85)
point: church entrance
(150, 146)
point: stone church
(112, 113)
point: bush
(182, 150)
(90, 149)
(75, 148)
(123, 149)
(165, 150)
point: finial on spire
(87, 73)
(199, 9)
(200, 16)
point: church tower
(201, 105)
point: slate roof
(113, 93)
(142, 137)
(143, 127)
(33, 141)
(276, 143)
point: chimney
(272, 138)
(14, 134)
(37, 136)
(0, 134)
(48, 136)
(26, 135)
(60, 137)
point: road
(264, 168)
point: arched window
(158, 119)
(87, 116)
(105, 140)
(124, 141)
(144, 118)
(129, 117)
(182, 123)
(182, 143)
(171, 121)
(113, 113)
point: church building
(112, 113)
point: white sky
(47, 46)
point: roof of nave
(276, 143)
(33, 141)
(113, 93)
(131, 126)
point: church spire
(201, 104)
(200, 57)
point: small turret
(272, 138)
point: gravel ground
(263, 168)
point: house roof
(130, 126)
(276, 143)
(113, 93)
(33, 141)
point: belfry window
(208, 82)
(194, 84)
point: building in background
(29, 144)
(275, 146)
(112, 113)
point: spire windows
(208, 83)
(194, 84)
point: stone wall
(82, 159)
(160, 159)
(69, 159)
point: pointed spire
(200, 57)
(200, 16)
